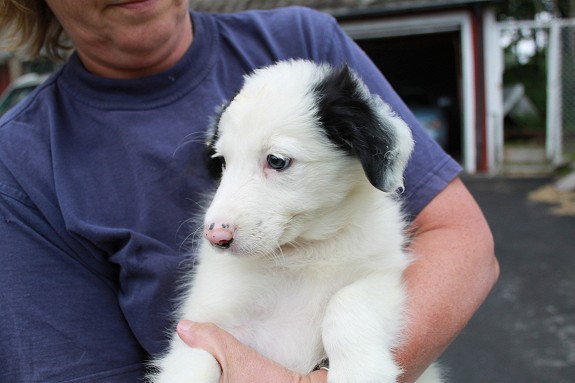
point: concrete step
(524, 154)
(532, 169)
(525, 161)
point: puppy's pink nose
(219, 234)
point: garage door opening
(425, 70)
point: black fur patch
(348, 118)
(214, 165)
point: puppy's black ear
(214, 164)
(363, 125)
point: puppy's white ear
(400, 146)
(364, 126)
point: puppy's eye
(220, 160)
(278, 163)
(216, 165)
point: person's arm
(454, 271)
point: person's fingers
(319, 376)
(239, 363)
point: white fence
(557, 38)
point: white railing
(559, 41)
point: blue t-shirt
(99, 177)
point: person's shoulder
(32, 104)
(25, 140)
(291, 13)
(279, 33)
(303, 18)
(287, 20)
(280, 13)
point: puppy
(304, 249)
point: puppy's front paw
(187, 365)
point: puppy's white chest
(284, 322)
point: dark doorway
(426, 72)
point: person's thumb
(206, 336)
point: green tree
(527, 9)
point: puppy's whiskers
(192, 138)
(278, 255)
(192, 240)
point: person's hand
(239, 363)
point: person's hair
(30, 27)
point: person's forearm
(453, 272)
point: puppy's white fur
(315, 266)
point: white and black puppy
(304, 250)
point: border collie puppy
(304, 239)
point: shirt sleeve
(60, 320)
(430, 169)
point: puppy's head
(292, 146)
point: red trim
(480, 93)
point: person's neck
(127, 65)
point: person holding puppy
(102, 166)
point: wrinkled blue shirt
(100, 177)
